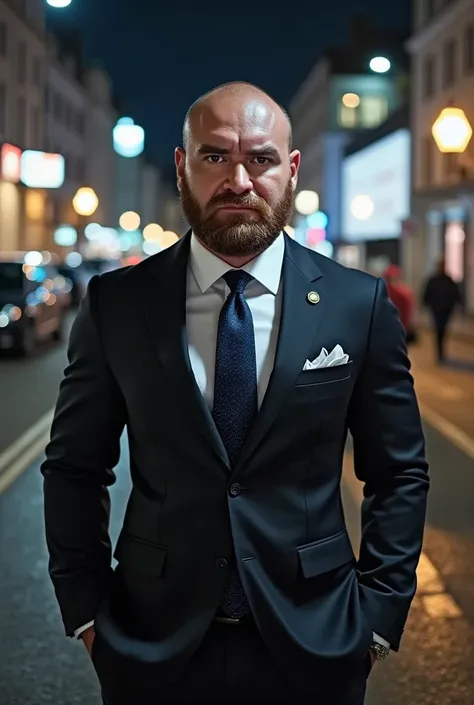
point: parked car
(34, 298)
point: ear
(180, 163)
(295, 161)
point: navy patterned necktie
(235, 398)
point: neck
(234, 262)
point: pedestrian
(441, 296)
(402, 297)
(236, 360)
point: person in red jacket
(402, 297)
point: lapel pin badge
(313, 297)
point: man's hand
(88, 636)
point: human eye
(213, 159)
(261, 161)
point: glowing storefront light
(42, 169)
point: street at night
(39, 665)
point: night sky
(163, 54)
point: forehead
(237, 120)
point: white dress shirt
(205, 296)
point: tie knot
(237, 280)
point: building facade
(99, 171)
(22, 80)
(340, 98)
(442, 50)
(66, 109)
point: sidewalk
(449, 390)
(461, 326)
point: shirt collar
(266, 268)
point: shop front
(375, 203)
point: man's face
(237, 177)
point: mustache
(248, 200)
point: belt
(231, 621)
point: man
(236, 578)
(441, 297)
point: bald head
(234, 95)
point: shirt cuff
(380, 640)
(78, 632)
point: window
(427, 160)
(35, 128)
(450, 166)
(429, 9)
(3, 108)
(80, 122)
(347, 117)
(469, 49)
(22, 63)
(373, 110)
(67, 114)
(449, 63)
(36, 71)
(428, 79)
(57, 107)
(21, 122)
(3, 39)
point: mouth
(236, 208)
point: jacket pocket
(138, 554)
(326, 554)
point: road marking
(24, 451)
(453, 433)
(431, 591)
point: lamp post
(452, 131)
(85, 203)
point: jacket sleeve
(389, 457)
(84, 447)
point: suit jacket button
(235, 489)
(221, 563)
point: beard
(239, 234)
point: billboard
(376, 189)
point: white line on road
(17, 457)
(453, 433)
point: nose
(239, 180)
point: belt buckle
(227, 620)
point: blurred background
(92, 99)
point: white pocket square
(325, 359)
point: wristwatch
(380, 651)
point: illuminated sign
(42, 169)
(11, 163)
(129, 139)
(376, 189)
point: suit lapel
(299, 325)
(166, 315)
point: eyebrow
(266, 150)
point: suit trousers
(231, 664)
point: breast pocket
(325, 383)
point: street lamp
(85, 202)
(380, 64)
(59, 3)
(452, 131)
(129, 221)
(307, 202)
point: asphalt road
(39, 665)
